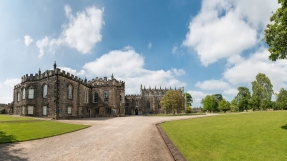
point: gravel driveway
(132, 138)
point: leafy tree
(276, 33)
(210, 103)
(218, 97)
(234, 106)
(262, 91)
(281, 101)
(243, 96)
(189, 99)
(224, 105)
(187, 109)
(172, 101)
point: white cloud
(27, 40)
(245, 71)
(149, 45)
(82, 32)
(42, 44)
(174, 49)
(7, 87)
(213, 85)
(127, 65)
(231, 91)
(73, 71)
(197, 96)
(224, 28)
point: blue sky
(206, 46)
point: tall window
(86, 97)
(108, 110)
(97, 110)
(45, 91)
(30, 110)
(23, 93)
(44, 110)
(70, 92)
(137, 103)
(148, 105)
(106, 96)
(23, 110)
(69, 110)
(18, 96)
(95, 97)
(31, 93)
(159, 104)
(122, 97)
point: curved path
(117, 138)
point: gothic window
(86, 97)
(106, 96)
(96, 97)
(31, 93)
(18, 96)
(45, 91)
(23, 93)
(30, 110)
(70, 91)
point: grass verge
(30, 129)
(249, 136)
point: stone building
(58, 94)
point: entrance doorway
(90, 113)
(136, 112)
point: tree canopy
(210, 103)
(262, 91)
(276, 33)
(224, 105)
(281, 101)
(173, 101)
(189, 99)
(243, 98)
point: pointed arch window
(31, 91)
(95, 97)
(70, 91)
(45, 91)
(23, 93)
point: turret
(55, 65)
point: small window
(86, 97)
(69, 110)
(23, 93)
(18, 96)
(45, 91)
(96, 97)
(106, 96)
(23, 110)
(70, 92)
(44, 110)
(97, 111)
(108, 110)
(30, 110)
(31, 93)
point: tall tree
(188, 99)
(276, 33)
(224, 105)
(173, 101)
(262, 91)
(243, 96)
(210, 103)
(234, 106)
(281, 101)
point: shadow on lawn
(8, 152)
(284, 127)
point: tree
(281, 101)
(172, 101)
(234, 106)
(187, 109)
(189, 99)
(209, 103)
(262, 91)
(242, 98)
(276, 33)
(224, 105)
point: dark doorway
(136, 112)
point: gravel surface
(132, 138)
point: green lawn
(246, 136)
(15, 130)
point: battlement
(133, 95)
(160, 89)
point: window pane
(106, 96)
(44, 110)
(45, 91)
(23, 93)
(70, 92)
(95, 97)
(18, 96)
(31, 93)
(30, 110)
(69, 110)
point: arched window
(31, 93)
(45, 91)
(95, 97)
(70, 91)
(18, 96)
(23, 93)
(106, 96)
(86, 97)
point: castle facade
(58, 94)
